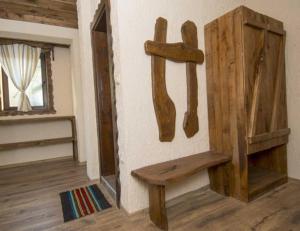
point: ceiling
(54, 12)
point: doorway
(105, 100)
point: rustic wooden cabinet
(245, 63)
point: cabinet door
(264, 63)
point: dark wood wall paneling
(54, 12)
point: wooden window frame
(48, 107)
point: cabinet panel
(264, 84)
(254, 43)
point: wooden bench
(158, 176)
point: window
(39, 91)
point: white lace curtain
(19, 61)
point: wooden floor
(29, 201)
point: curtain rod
(7, 41)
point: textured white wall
(133, 23)
(67, 90)
(19, 133)
(142, 146)
(138, 127)
(62, 81)
(86, 11)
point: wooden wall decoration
(190, 123)
(186, 51)
(164, 106)
(54, 12)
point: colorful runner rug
(82, 201)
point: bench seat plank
(178, 169)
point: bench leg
(157, 206)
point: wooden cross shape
(186, 51)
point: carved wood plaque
(188, 52)
(163, 105)
(190, 123)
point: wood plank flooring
(29, 201)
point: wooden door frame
(104, 10)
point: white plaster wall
(138, 130)
(86, 11)
(142, 146)
(67, 89)
(132, 24)
(19, 133)
(62, 81)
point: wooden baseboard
(108, 187)
(81, 163)
(294, 180)
(35, 162)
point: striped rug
(82, 201)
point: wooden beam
(63, 6)
(74, 136)
(191, 121)
(267, 144)
(266, 26)
(164, 107)
(27, 144)
(36, 120)
(256, 98)
(269, 135)
(7, 41)
(278, 86)
(58, 13)
(157, 206)
(178, 52)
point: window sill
(33, 112)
